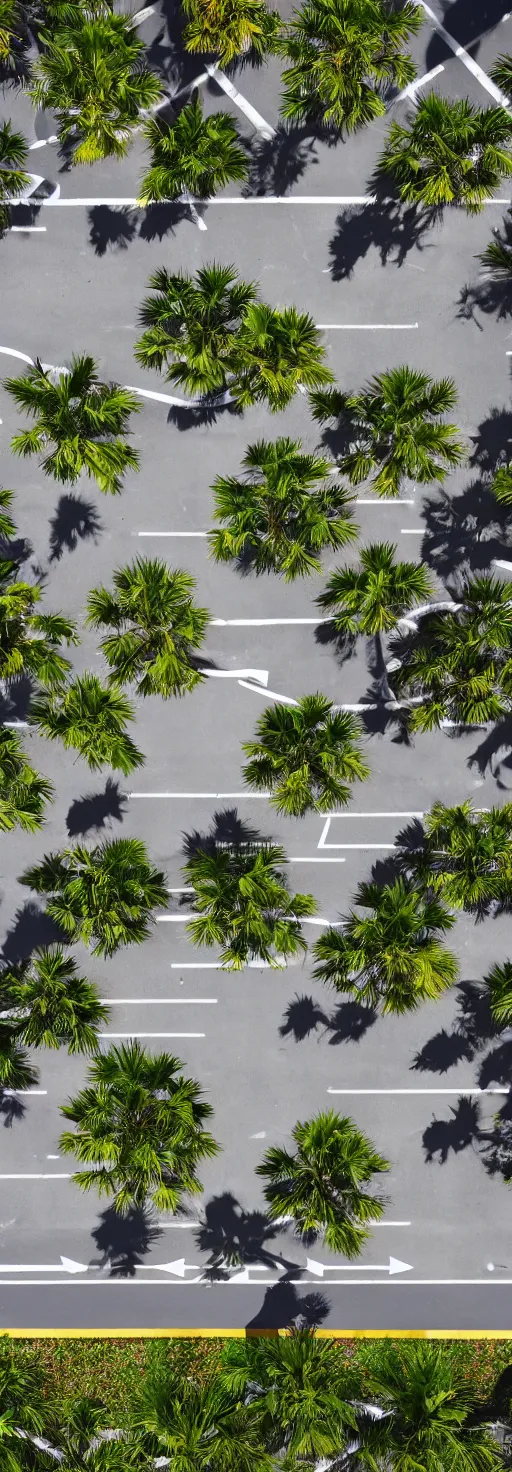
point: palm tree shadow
(96, 809)
(111, 228)
(494, 754)
(463, 534)
(227, 830)
(348, 1023)
(443, 1135)
(203, 413)
(468, 24)
(473, 1029)
(497, 1066)
(492, 444)
(234, 1237)
(387, 226)
(32, 928)
(11, 1108)
(15, 699)
(497, 1148)
(277, 163)
(123, 1241)
(344, 645)
(284, 1308)
(75, 520)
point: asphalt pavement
(269, 1047)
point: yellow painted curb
(472, 1334)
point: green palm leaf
(23, 791)
(452, 153)
(244, 905)
(322, 1185)
(231, 28)
(372, 598)
(192, 324)
(104, 895)
(155, 627)
(344, 55)
(393, 430)
(306, 756)
(91, 718)
(13, 179)
(393, 953)
(80, 423)
(50, 1004)
(197, 155)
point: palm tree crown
(306, 756)
(322, 1185)
(23, 791)
(344, 55)
(499, 982)
(13, 179)
(296, 1386)
(501, 74)
(394, 429)
(457, 665)
(91, 718)
(430, 1419)
(192, 324)
(16, 1070)
(276, 352)
(467, 857)
(80, 418)
(286, 509)
(155, 627)
(392, 954)
(105, 894)
(30, 641)
(452, 153)
(372, 598)
(195, 154)
(231, 28)
(50, 1004)
(140, 1126)
(198, 1427)
(92, 74)
(244, 904)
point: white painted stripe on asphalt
(367, 326)
(266, 129)
(13, 353)
(260, 623)
(260, 796)
(117, 201)
(158, 1002)
(152, 1034)
(168, 534)
(173, 919)
(465, 58)
(459, 1091)
(24, 1091)
(390, 814)
(272, 694)
(27, 229)
(76, 1282)
(416, 531)
(178, 1226)
(42, 142)
(35, 1176)
(414, 87)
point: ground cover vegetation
(213, 335)
(256, 1402)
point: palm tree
(105, 894)
(277, 351)
(16, 1071)
(345, 54)
(49, 1004)
(501, 73)
(457, 665)
(286, 509)
(90, 718)
(497, 257)
(321, 1186)
(452, 153)
(467, 855)
(502, 482)
(155, 627)
(30, 641)
(92, 75)
(140, 1127)
(23, 791)
(84, 1440)
(7, 525)
(431, 1418)
(83, 420)
(372, 598)
(13, 179)
(195, 155)
(306, 756)
(394, 430)
(243, 903)
(499, 982)
(197, 1426)
(23, 1407)
(297, 1385)
(392, 954)
(231, 28)
(192, 324)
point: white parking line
(414, 87)
(152, 1034)
(27, 230)
(465, 58)
(158, 1002)
(367, 326)
(266, 129)
(459, 1092)
(121, 202)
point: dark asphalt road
(140, 1306)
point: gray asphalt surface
(268, 1047)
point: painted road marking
(367, 326)
(414, 87)
(394, 1265)
(152, 1034)
(465, 58)
(120, 202)
(159, 1001)
(266, 129)
(459, 1092)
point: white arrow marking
(179, 1266)
(243, 1276)
(67, 1264)
(393, 1266)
